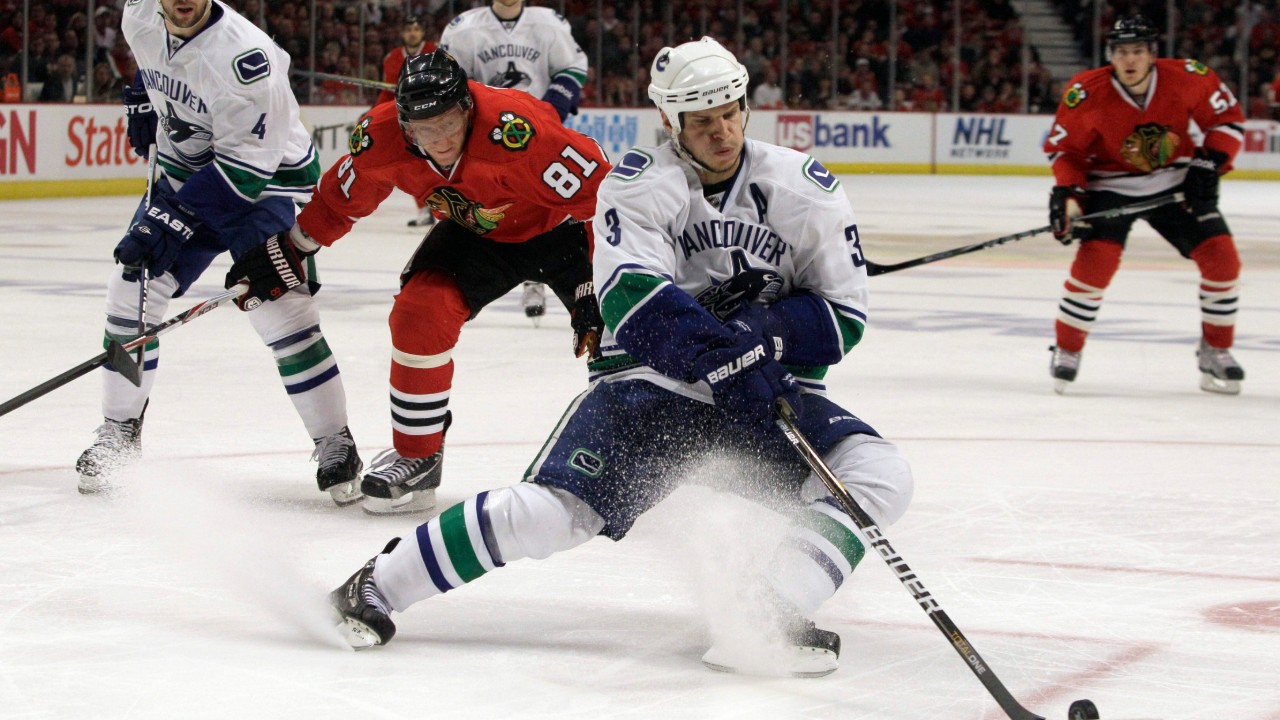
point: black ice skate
(808, 651)
(340, 466)
(118, 443)
(1063, 366)
(425, 219)
(534, 299)
(362, 613)
(1219, 372)
(397, 484)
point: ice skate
(1063, 367)
(807, 650)
(340, 466)
(397, 484)
(534, 299)
(1219, 372)
(425, 219)
(363, 615)
(119, 443)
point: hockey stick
(787, 421)
(118, 353)
(1132, 209)
(358, 82)
(152, 157)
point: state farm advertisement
(65, 142)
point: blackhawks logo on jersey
(1074, 95)
(360, 139)
(469, 213)
(1150, 147)
(1197, 67)
(514, 133)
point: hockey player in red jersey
(415, 41)
(510, 184)
(1122, 134)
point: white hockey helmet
(695, 76)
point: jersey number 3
(564, 181)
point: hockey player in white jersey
(722, 263)
(235, 160)
(509, 45)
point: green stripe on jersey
(457, 543)
(312, 356)
(630, 289)
(251, 184)
(850, 331)
(837, 534)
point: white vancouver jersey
(222, 97)
(783, 212)
(538, 48)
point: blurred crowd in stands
(788, 48)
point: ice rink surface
(1120, 543)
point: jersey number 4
(564, 181)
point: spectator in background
(1273, 97)
(768, 94)
(105, 29)
(928, 97)
(63, 84)
(106, 85)
(865, 97)
(413, 39)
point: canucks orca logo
(748, 285)
(512, 77)
(661, 63)
(515, 133)
(190, 142)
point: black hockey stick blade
(124, 363)
(874, 268)
(788, 422)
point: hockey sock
(820, 551)
(1219, 265)
(121, 399)
(482, 533)
(290, 326)
(425, 321)
(1095, 264)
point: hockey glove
(586, 321)
(1201, 183)
(270, 269)
(154, 239)
(1066, 203)
(744, 377)
(563, 94)
(767, 326)
(141, 117)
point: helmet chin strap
(683, 152)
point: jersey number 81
(560, 178)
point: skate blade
(416, 501)
(346, 493)
(94, 487)
(1060, 386)
(1212, 384)
(358, 635)
(801, 663)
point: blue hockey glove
(563, 94)
(154, 239)
(586, 322)
(270, 269)
(744, 377)
(1201, 184)
(141, 117)
(767, 326)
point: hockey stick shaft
(787, 421)
(152, 159)
(358, 82)
(1132, 209)
(118, 353)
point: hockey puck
(1082, 710)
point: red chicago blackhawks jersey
(521, 172)
(1103, 140)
